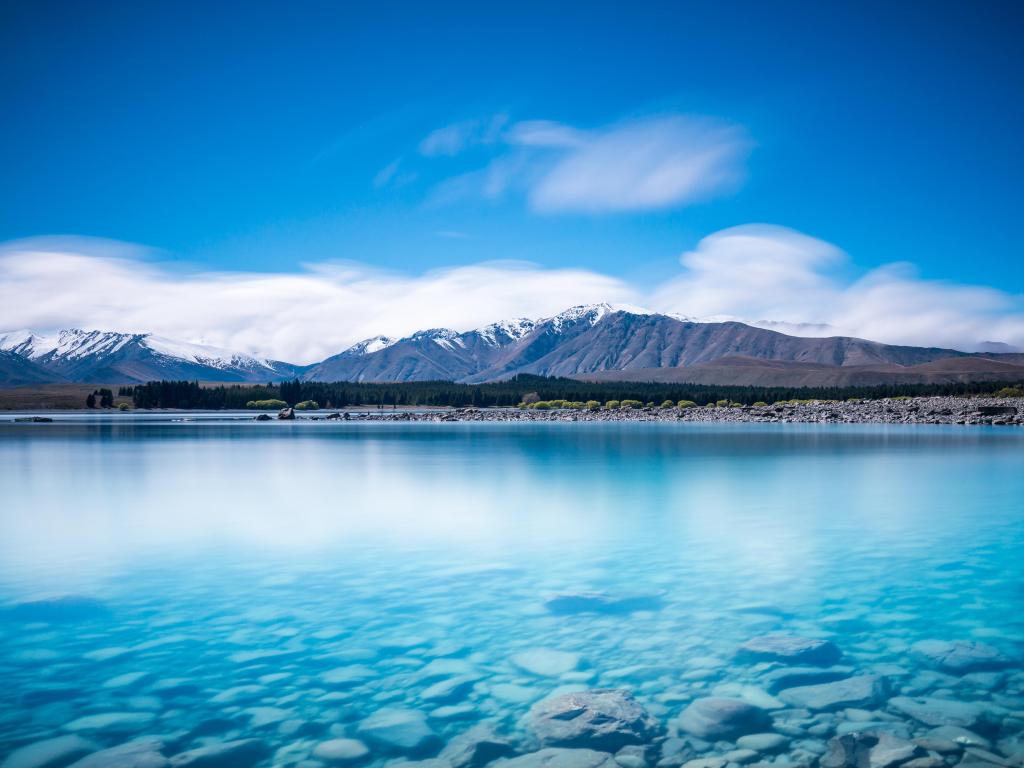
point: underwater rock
(863, 691)
(49, 753)
(601, 719)
(600, 602)
(935, 711)
(448, 691)
(793, 677)
(960, 656)
(347, 677)
(560, 758)
(141, 753)
(545, 662)
(791, 650)
(111, 722)
(763, 742)
(476, 748)
(868, 750)
(338, 751)
(399, 730)
(716, 718)
(242, 753)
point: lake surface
(248, 594)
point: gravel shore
(919, 410)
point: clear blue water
(283, 582)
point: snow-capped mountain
(595, 338)
(112, 358)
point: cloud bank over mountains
(753, 273)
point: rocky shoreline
(996, 411)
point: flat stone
(600, 719)
(449, 691)
(961, 656)
(141, 753)
(347, 677)
(960, 736)
(740, 756)
(716, 718)
(476, 748)
(111, 722)
(340, 751)
(560, 758)
(868, 750)
(934, 711)
(49, 753)
(399, 730)
(863, 691)
(241, 753)
(763, 742)
(790, 650)
(545, 662)
(782, 678)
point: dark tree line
(105, 399)
(189, 395)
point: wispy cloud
(753, 272)
(640, 164)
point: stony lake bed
(213, 593)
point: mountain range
(588, 342)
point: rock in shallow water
(337, 751)
(476, 748)
(935, 711)
(960, 656)
(51, 752)
(545, 662)
(242, 753)
(791, 650)
(716, 718)
(560, 758)
(141, 753)
(400, 730)
(868, 750)
(866, 691)
(601, 719)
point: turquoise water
(276, 586)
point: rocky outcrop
(602, 719)
(720, 718)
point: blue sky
(607, 137)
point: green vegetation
(760, 404)
(124, 407)
(266, 405)
(630, 404)
(106, 399)
(668, 404)
(1011, 392)
(686, 404)
(722, 403)
(307, 405)
(519, 389)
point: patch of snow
(504, 331)
(369, 346)
(215, 357)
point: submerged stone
(340, 751)
(718, 718)
(863, 691)
(545, 662)
(868, 750)
(961, 656)
(49, 753)
(793, 677)
(400, 730)
(142, 753)
(791, 650)
(763, 742)
(560, 758)
(111, 722)
(935, 711)
(476, 748)
(601, 719)
(241, 753)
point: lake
(220, 592)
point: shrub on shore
(1011, 392)
(630, 404)
(307, 405)
(266, 405)
(612, 404)
(686, 404)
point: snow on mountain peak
(495, 333)
(591, 312)
(369, 346)
(201, 354)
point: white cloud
(299, 317)
(762, 272)
(641, 164)
(753, 272)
